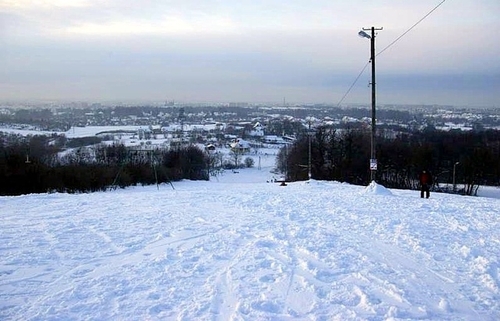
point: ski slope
(240, 248)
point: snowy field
(239, 248)
(90, 131)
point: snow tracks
(307, 251)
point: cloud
(236, 48)
(31, 5)
(459, 88)
(166, 25)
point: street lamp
(310, 133)
(373, 159)
(454, 170)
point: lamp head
(363, 34)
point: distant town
(269, 123)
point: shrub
(249, 162)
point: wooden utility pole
(373, 157)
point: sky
(239, 248)
(249, 51)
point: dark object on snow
(425, 179)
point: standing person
(425, 184)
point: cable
(404, 33)
(355, 81)
(390, 45)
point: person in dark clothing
(425, 184)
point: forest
(32, 165)
(468, 159)
(39, 164)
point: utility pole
(454, 183)
(309, 134)
(373, 157)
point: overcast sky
(249, 50)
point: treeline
(34, 166)
(469, 159)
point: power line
(404, 33)
(387, 47)
(355, 81)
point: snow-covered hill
(240, 248)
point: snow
(240, 248)
(26, 132)
(375, 188)
(88, 131)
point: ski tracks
(252, 256)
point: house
(257, 130)
(240, 145)
(210, 147)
